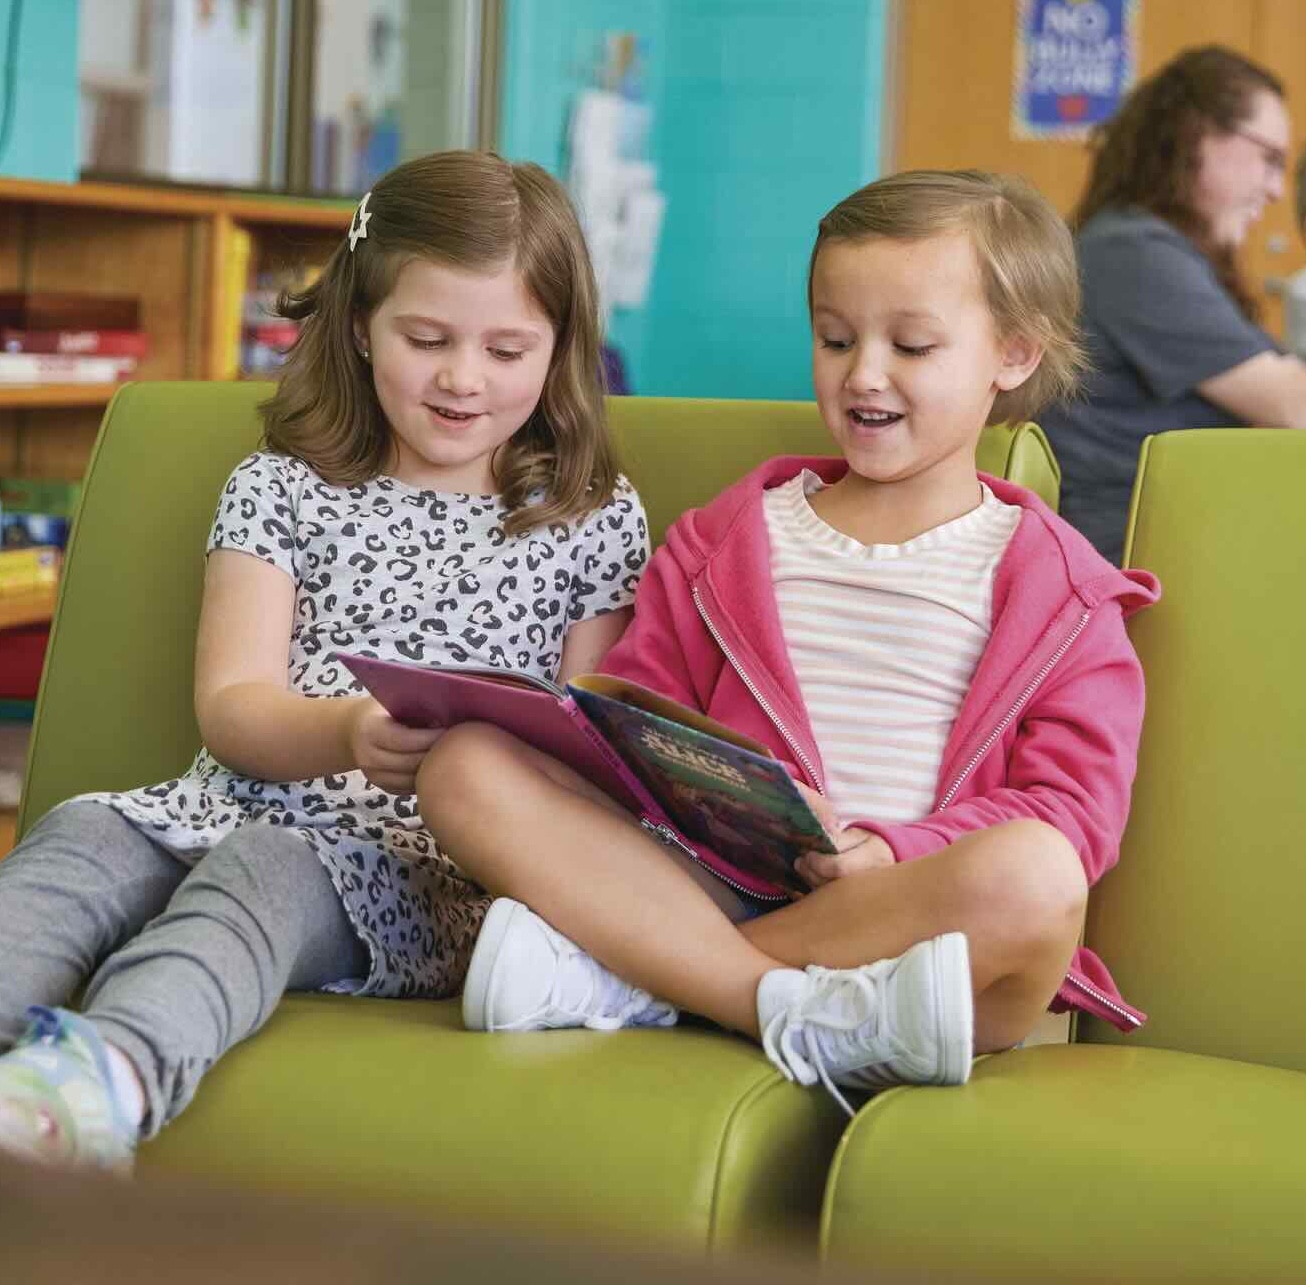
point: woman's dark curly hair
(1147, 155)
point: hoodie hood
(1065, 559)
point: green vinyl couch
(1178, 1152)
(685, 1137)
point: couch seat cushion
(1082, 1163)
(686, 1136)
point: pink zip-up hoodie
(1048, 730)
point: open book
(720, 797)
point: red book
(275, 334)
(78, 343)
(59, 310)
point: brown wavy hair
(1148, 154)
(1025, 253)
(476, 212)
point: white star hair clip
(358, 224)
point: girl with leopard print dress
(437, 485)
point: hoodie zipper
(1007, 718)
(1087, 987)
(665, 834)
(1092, 991)
(757, 695)
(989, 742)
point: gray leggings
(182, 963)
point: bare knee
(464, 768)
(1033, 872)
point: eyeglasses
(1276, 159)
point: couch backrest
(680, 451)
(115, 704)
(114, 709)
(1201, 921)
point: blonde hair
(1025, 254)
(476, 212)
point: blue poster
(1075, 61)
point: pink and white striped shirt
(884, 639)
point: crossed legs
(526, 826)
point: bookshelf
(169, 248)
(165, 246)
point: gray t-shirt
(1157, 323)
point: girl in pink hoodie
(940, 661)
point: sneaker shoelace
(588, 1006)
(840, 1011)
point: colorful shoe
(908, 1020)
(526, 976)
(56, 1106)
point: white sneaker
(908, 1020)
(526, 976)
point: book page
(628, 693)
(739, 804)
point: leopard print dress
(387, 570)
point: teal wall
(766, 112)
(43, 136)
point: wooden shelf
(34, 608)
(303, 213)
(241, 206)
(26, 396)
(173, 248)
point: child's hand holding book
(388, 752)
(858, 850)
(721, 798)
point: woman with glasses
(1178, 177)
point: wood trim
(306, 213)
(13, 396)
(163, 201)
(199, 316)
(220, 236)
(106, 196)
(34, 607)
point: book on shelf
(36, 511)
(67, 310)
(59, 368)
(27, 571)
(276, 333)
(266, 336)
(78, 343)
(721, 798)
(265, 345)
(235, 282)
(39, 495)
(260, 306)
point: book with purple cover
(722, 798)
